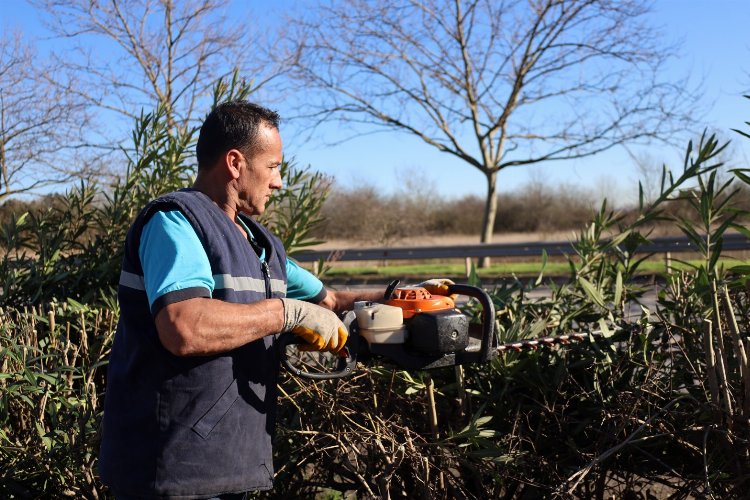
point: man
(191, 390)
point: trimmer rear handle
(347, 360)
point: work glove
(437, 286)
(319, 327)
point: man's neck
(220, 194)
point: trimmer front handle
(347, 360)
(488, 347)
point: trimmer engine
(412, 330)
(426, 324)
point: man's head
(239, 154)
(232, 125)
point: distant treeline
(365, 214)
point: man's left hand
(437, 286)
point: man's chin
(252, 212)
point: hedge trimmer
(415, 330)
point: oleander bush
(52, 382)
(655, 406)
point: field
(450, 239)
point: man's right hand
(319, 327)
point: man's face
(260, 175)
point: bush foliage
(657, 405)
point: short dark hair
(232, 125)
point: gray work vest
(198, 426)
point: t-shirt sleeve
(175, 265)
(302, 284)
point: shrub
(363, 214)
(366, 215)
(625, 414)
(52, 383)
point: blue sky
(714, 49)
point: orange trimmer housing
(415, 299)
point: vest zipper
(266, 278)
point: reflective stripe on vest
(245, 284)
(221, 282)
(132, 280)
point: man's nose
(276, 182)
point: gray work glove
(319, 327)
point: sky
(714, 50)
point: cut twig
(430, 387)
(461, 390)
(578, 476)
(721, 359)
(708, 345)
(739, 350)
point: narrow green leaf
(618, 288)
(536, 329)
(740, 173)
(640, 196)
(741, 229)
(592, 291)
(541, 271)
(741, 132)
(482, 421)
(48, 377)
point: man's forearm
(202, 326)
(343, 300)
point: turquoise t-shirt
(173, 258)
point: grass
(497, 270)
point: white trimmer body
(380, 323)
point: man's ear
(233, 161)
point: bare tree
(135, 55)
(495, 83)
(40, 125)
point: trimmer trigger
(388, 295)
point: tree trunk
(490, 211)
